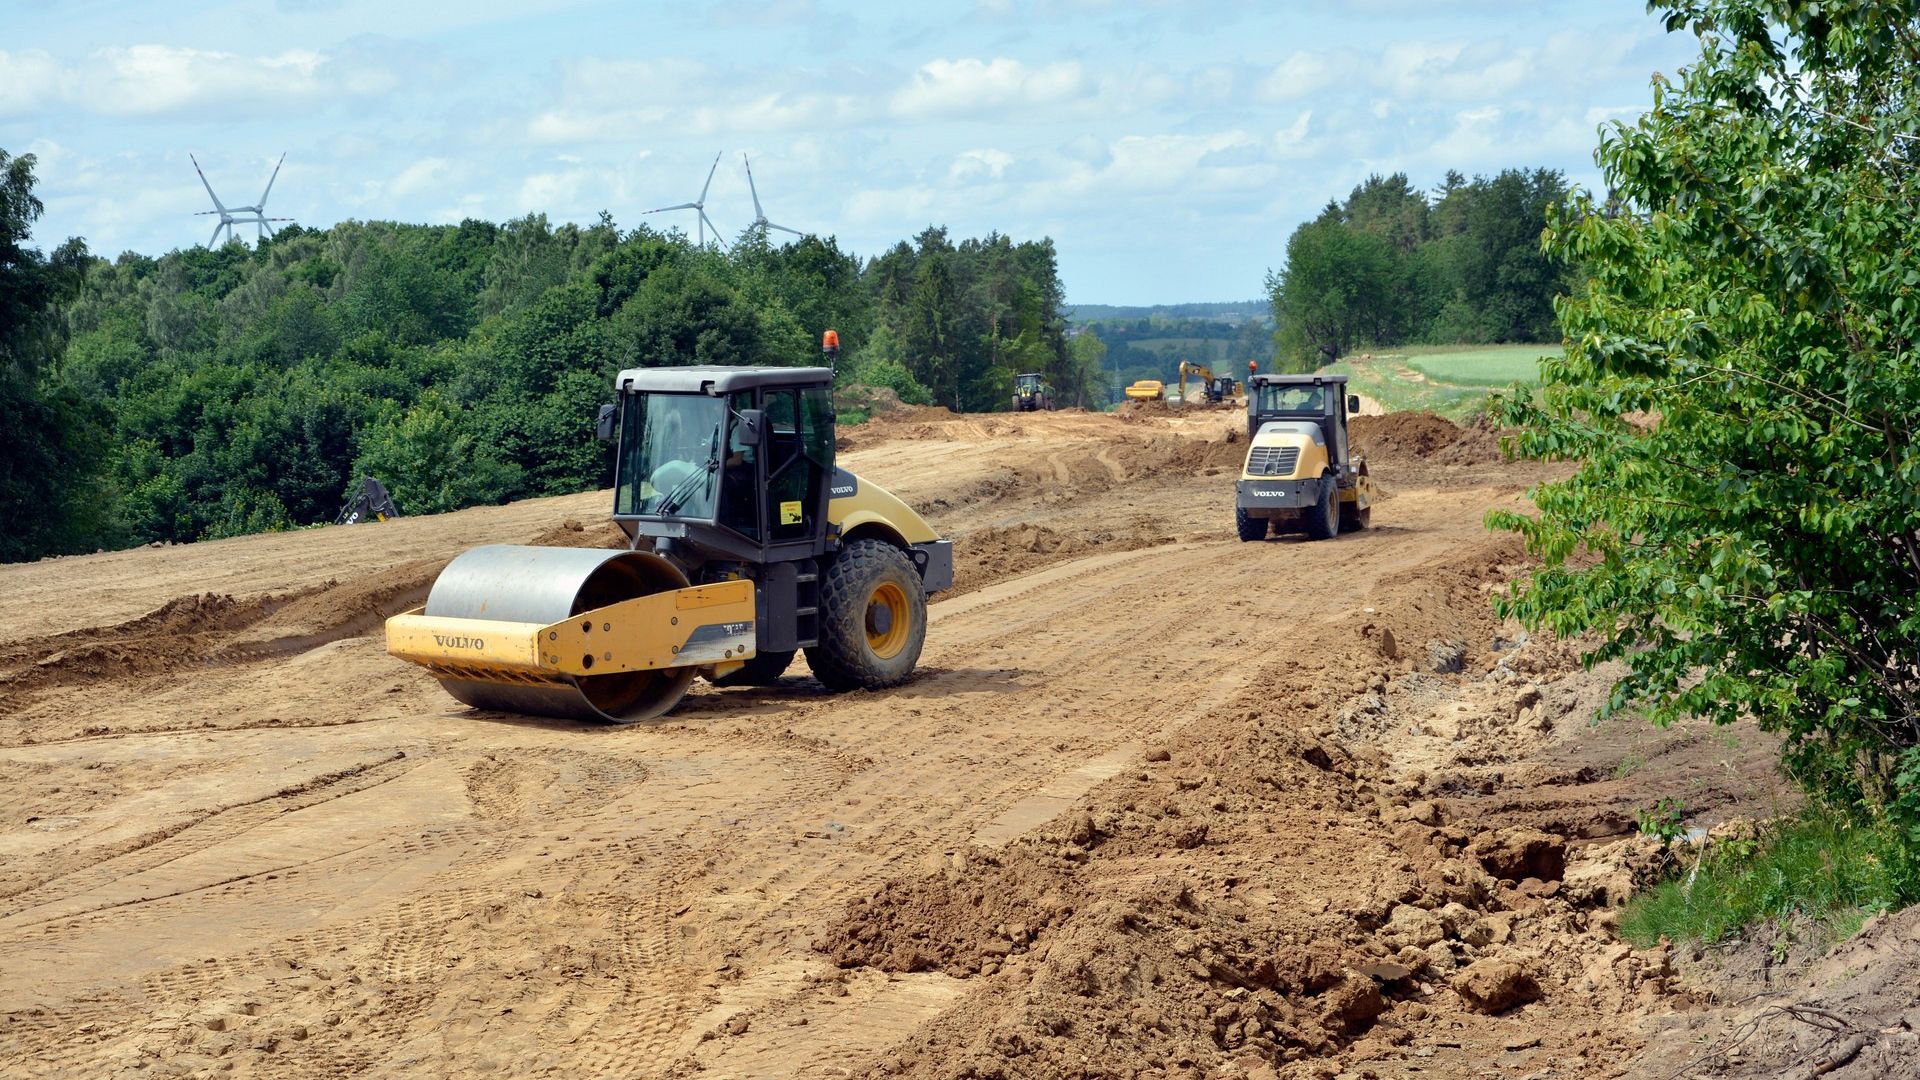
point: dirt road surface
(238, 838)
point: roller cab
(1300, 473)
(749, 544)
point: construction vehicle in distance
(1147, 390)
(747, 544)
(1032, 392)
(1190, 371)
(1214, 388)
(370, 503)
(1300, 471)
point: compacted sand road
(240, 836)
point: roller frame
(642, 634)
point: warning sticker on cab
(790, 513)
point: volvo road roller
(1301, 472)
(747, 545)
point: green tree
(48, 441)
(431, 462)
(1334, 293)
(1740, 387)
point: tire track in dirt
(550, 897)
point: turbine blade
(782, 228)
(203, 181)
(716, 230)
(676, 206)
(758, 214)
(709, 183)
(270, 180)
(216, 234)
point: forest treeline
(1392, 265)
(1152, 347)
(209, 393)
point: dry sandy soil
(1159, 804)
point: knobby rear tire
(845, 659)
(1323, 521)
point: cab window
(740, 501)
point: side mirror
(753, 427)
(1353, 403)
(605, 426)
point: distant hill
(1236, 311)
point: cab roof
(1301, 380)
(716, 378)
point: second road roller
(748, 544)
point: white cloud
(1299, 75)
(977, 164)
(427, 174)
(149, 79)
(26, 79)
(958, 87)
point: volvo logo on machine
(460, 641)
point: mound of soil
(1424, 436)
(988, 555)
(1135, 411)
(571, 533)
(1152, 925)
(183, 631)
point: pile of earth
(1424, 436)
(1266, 894)
(1135, 409)
(985, 556)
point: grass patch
(1493, 366)
(1451, 380)
(1821, 867)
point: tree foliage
(1390, 266)
(209, 393)
(1740, 389)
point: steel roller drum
(542, 585)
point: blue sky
(1168, 148)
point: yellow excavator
(748, 544)
(1215, 388)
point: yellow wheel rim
(887, 617)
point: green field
(1451, 380)
(1491, 365)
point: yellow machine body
(1147, 390)
(1281, 477)
(871, 506)
(1190, 371)
(831, 564)
(694, 626)
(1268, 450)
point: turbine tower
(699, 207)
(239, 215)
(759, 216)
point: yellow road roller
(748, 545)
(1301, 473)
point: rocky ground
(1159, 804)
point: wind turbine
(237, 215)
(699, 206)
(759, 216)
